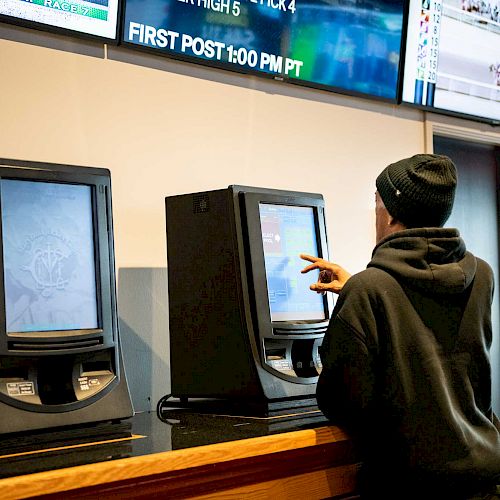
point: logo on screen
(50, 262)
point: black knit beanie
(419, 191)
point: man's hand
(331, 278)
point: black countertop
(146, 433)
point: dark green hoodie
(406, 367)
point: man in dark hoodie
(406, 363)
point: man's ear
(394, 223)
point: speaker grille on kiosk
(201, 203)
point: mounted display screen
(288, 231)
(90, 17)
(348, 46)
(49, 258)
(453, 57)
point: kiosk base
(242, 408)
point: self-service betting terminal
(60, 360)
(244, 324)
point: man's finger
(310, 267)
(320, 287)
(310, 258)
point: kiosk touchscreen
(243, 322)
(288, 231)
(49, 285)
(60, 362)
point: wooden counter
(306, 464)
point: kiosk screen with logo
(49, 258)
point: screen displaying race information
(90, 17)
(288, 231)
(349, 46)
(48, 253)
(453, 57)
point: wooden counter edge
(82, 476)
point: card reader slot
(13, 374)
(275, 354)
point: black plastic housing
(223, 343)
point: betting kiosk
(244, 324)
(60, 360)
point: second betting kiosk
(244, 325)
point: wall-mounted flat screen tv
(349, 46)
(94, 18)
(452, 61)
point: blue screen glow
(288, 231)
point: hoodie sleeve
(345, 389)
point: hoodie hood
(433, 260)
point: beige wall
(165, 127)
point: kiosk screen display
(452, 58)
(48, 254)
(288, 231)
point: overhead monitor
(96, 18)
(452, 61)
(348, 46)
